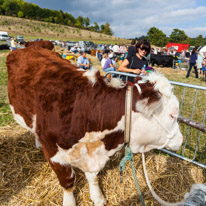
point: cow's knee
(95, 191)
(66, 175)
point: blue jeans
(190, 68)
(83, 67)
(109, 70)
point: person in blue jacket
(193, 62)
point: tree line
(158, 38)
(22, 9)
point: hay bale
(27, 178)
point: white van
(4, 36)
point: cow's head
(154, 121)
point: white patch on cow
(68, 199)
(20, 120)
(147, 110)
(89, 154)
(147, 133)
(91, 75)
(37, 142)
(138, 88)
(161, 83)
(142, 81)
(95, 191)
(80, 69)
(115, 82)
(72, 174)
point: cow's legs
(37, 142)
(68, 199)
(66, 178)
(95, 191)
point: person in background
(108, 66)
(116, 49)
(199, 62)
(104, 59)
(83, 62)
(74, 49)
(13, 44)
(177, 54)
(193, 62)
(132, 49)
(134, 64)
(22, 45)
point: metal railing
(192, 100)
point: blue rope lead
(128, 157)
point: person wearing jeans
(83, 62)
(193, 63)
(108, 66)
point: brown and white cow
(42, 43)
(78, 116)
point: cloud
(133, 18)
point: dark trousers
(195, 67)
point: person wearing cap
(83, 62)
(108, 66)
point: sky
(134, 18)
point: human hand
(143, 72)
(136, 71)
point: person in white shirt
(13, 44)
(116, 49)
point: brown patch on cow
(42, 43)
(90, 146)
(147, 92)
(112, 140)
(64, 175)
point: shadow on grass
(2, 104)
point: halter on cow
(78, 116)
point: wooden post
(192, 123)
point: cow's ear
(149, 104)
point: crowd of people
(198, 61)
(134, 57)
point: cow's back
(44, 44)
(35, 73)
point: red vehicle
(177, 46)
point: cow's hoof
(101, 202)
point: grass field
(24, 173)
(32, 29)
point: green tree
(79, 22)
(96, 26)
(199, 40)
(102, 28)
(20, 14)
(107, 29)
(178, 36)
(1, 2)
(10, 7)
(156, 37)
(86, 22)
